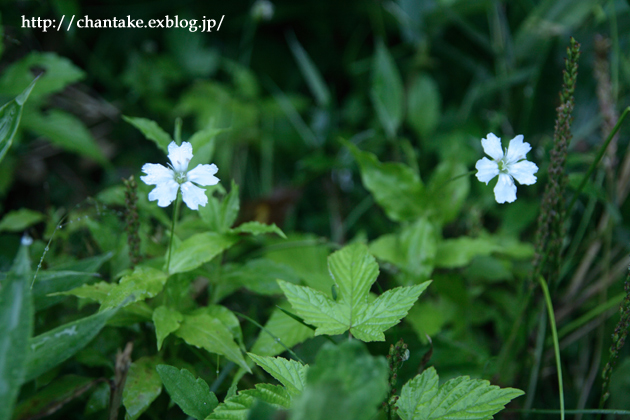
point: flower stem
(170, 242)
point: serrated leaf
(233, 408)
(192, 395)
(271, 394)
(143, 283)
(51, 348)
(387, 90)
(18, 220)
(199, 249)
(10, 115)
(290, 373)
(286, 329)
(142, 387)
(210, 334)
(16, 328)
(346, 382)
(66, 131)
(257, 228)
(59, 72)
(152, 131)
(459, 398)
(354, 271)
(394, 186)
(166, 321)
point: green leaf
(354, 271)
(199, 249)
(387, 90)
(237, 407)
(192, 395)
(143, 283)
(413, 250)
(16, 328)
(210, 334)
(142, 387)
(226, 317)
(203, 143)
(271, 394)
(459, 398)
(309, 71)
(256, 228)
(446, 195)
(258, 275)
(346, 382)
(66, 131)
(18, 220)
(290, 373)
(151, 131)
(166, 321)
(286, 329)
(51, 348)
(59, 73)
(459, 252)
(60, 392)
(395, 186)
(423, 105)
(10, 115)
(97, 292)
(220, 215)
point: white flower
(508, 165)
(169, 180)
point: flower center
(503, 166)
(180, 177)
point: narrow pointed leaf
(151, 131)
(289, 373)
(192, 395)
(257, 228)
(16, 327)
(10, 115)
(285, 329)
(387, 90)
(166, 321)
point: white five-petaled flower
(509, 166)
(169, 180)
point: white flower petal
(486, 170)
(180, 156)
(204, 175)
(193, 195)
(524, 172)
(164, 192)
(505, 191)
(517, 149)
(156, 174)
(492, 146)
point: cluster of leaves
(268, 101)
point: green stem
(599, 157)
(556, 345)
(170, 242)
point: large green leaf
(209, 333)
(459, 252)
(423, 105)
(66, 131)
(192, 395)
(258, 275)
(354, 271)
(346, 382)
(16, 327)
(51, 348)
(10, 115)
(394, 186)
(151, 131)
(237, 407)
(446, 191)
(143, 283)
(142, 387)
(59, 73)
(220, 215)
(413, 250)
(387, 90)
(199, 249)
(290, 373)
(18, 220)
(166, 321)
(459, 398)
(285, 329)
